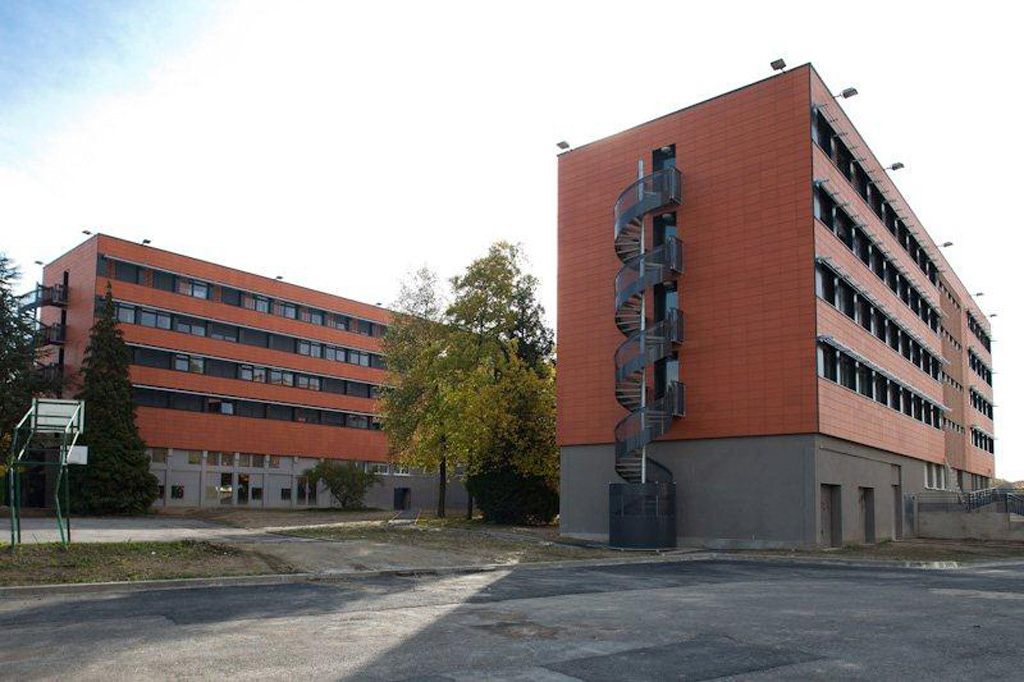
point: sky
(340, 145)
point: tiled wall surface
(752, 317)
(747, 293)
(205, 431)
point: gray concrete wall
(979, 525)
(752, 492)
(731, 492)
(190, 474)
(852, 467)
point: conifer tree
(117, 479)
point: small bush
(346, 482)
(509, 497)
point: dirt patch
(276, 518)
(459, 542)
(913, 550)
(128, 561)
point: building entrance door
(403, 498)
(830, 530)
(866, 502)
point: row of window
(982, 405)
(982, 440)
(949, 294)
(979, 332)
(245, 460)
(979, 367)
(192, 402)
(934, 476)
(835, 290)
(227, 369)
(158, 279)
(842, 368)
(953, 426)
(954, 383)
(132, 314)
(833, 145)
(835, 217)
(952, 339)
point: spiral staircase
(645, 344)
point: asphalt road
(686, 621)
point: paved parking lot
(687, 620)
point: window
(826, 281)
(282, 343)
(359, 389)
(307, 416)
(189, 325)
(275, 462)
(828, 362)
(847, 372)
(357, 421)
(252, 337)
(146, 397)
(281, 378)
(310, 348)
(150, 357)
(251, 461)
(186, 401)
(280, 412)
(151, 318)
(126, 272)
(260, 304)
(846, 300)
(306, 381)
(194, 457)
(220, 406)
(221, 368)
(219, 459)
(126, 314)
(252, 373)
(248, 408)
(316, 317)
(188, 363)
(194, 288)
(286, 494)
(332, 418)
(223, 332)
(164, 281)
(157, 455)
(358, 357)
(230, 296)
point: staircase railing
(642, 268)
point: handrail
(642, 268)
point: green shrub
(346, 482)
(509, 497)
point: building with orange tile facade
(806, 358)
(242, 382)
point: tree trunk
(442, 487)
(469, 507)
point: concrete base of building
(756, 493)
(196, 478)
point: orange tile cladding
(201, 431)
(747, 293)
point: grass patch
(470, 539)
(129, 561)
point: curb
(850, 563)
(678, 556)
(325, 576)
